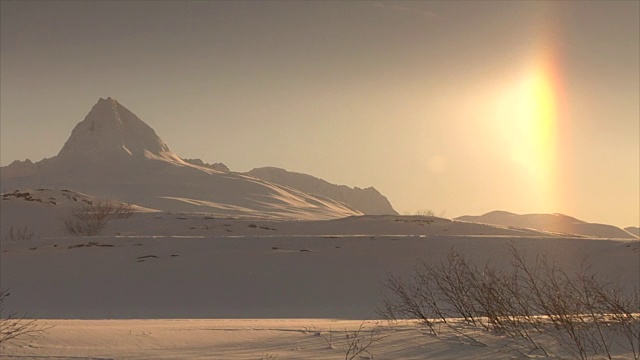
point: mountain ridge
(112, 153)
(368, 200)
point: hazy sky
(460, 107)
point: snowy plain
(195, 286)
(322, 339)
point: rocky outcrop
(214, 166)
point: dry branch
(527, 303)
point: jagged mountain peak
(112, 131)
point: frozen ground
(200, 267)
(271, 286)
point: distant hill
(550, 222)
(368, 201)
(633, 230)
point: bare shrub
(360, 340)
(425, 212)
(356, 343)
(13, 327)
(328, 337)
(92, 218)
(19, 233)
(529, 303)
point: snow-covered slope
(369, 201)
(113, 154)
(214, 166)
(34, 213)
(550, 222)
(42, 211)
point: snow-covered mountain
(550, 222)
(113, 154)
(369, 201)
(112, 132)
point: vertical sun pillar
(544, 134)
(530, 118)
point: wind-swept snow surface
(161, 265)
(158, 265)
(281, 339)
